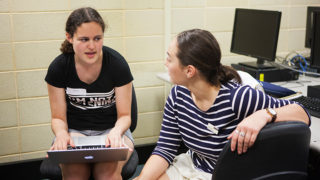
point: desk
(299, 85)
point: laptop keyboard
(87, 147)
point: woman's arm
(247, 130)
(59, 118)
(154, 168)
(292, 112)
(123, 103)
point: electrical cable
(299, 58)
(302, 72)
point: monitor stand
(259, 64)
(267, 72)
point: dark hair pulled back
(201, 49)
(75, 19)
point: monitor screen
(309, 26)
(315, 45)
(255, 34)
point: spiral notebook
(88, 149)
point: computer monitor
(309, 26)
(255, 34)
(315, 43)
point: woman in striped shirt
(206, 108)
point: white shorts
(98, 133)
(182, 168)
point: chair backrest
(134, 111)
(280, 152)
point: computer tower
(275, 74)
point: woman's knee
(111, 170)
(75, 171)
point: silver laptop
(88, 149)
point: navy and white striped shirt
(183, 121)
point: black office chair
(51, 170)
(280, 152)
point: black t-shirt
(90, 106)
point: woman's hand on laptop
(62, 141)
(115, 139)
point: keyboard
(87, 147)
(312, 104)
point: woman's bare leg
(79, 171)
(111, 170)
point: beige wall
(30, 36)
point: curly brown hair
(76, 18)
